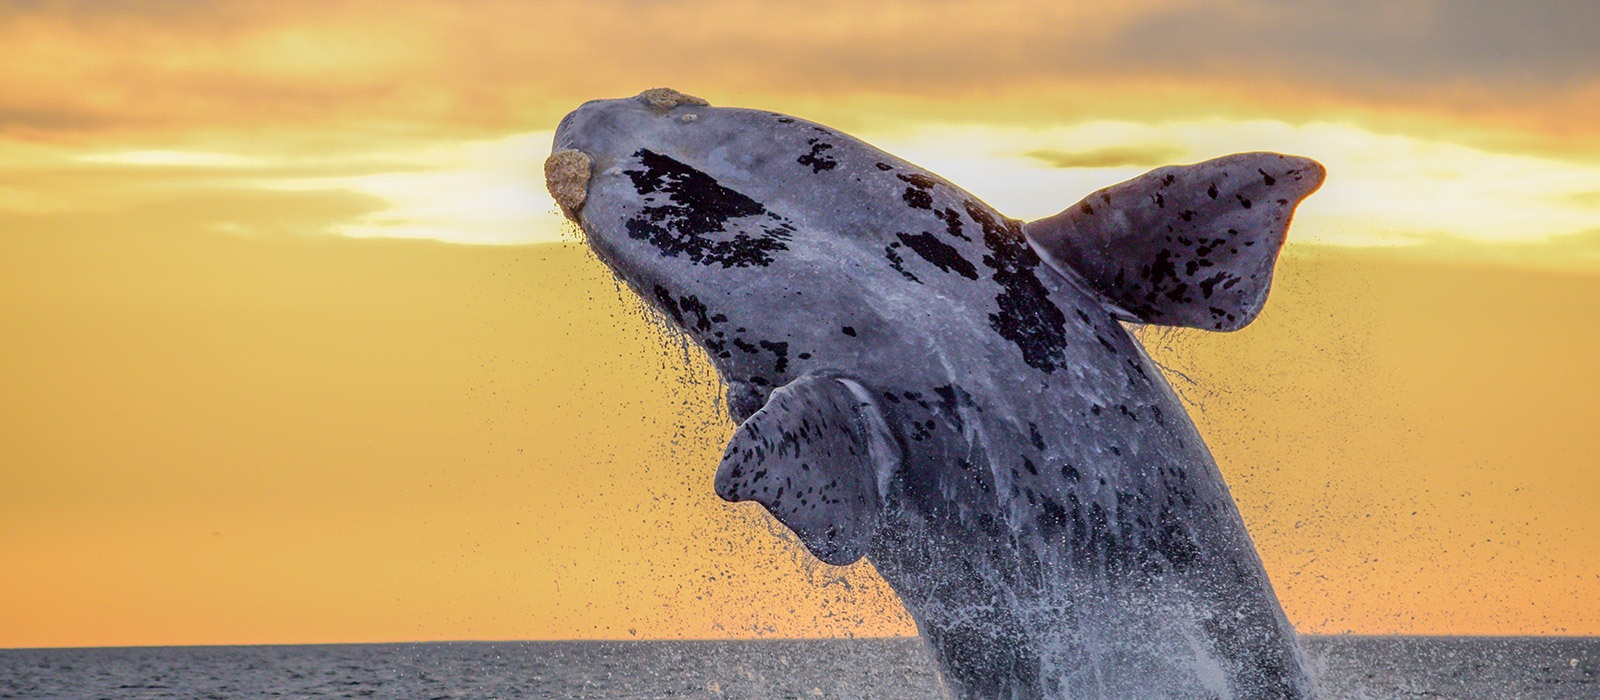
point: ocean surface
(1471, 668)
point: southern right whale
(952, 394)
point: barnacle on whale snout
(663, 99)
(566, 174)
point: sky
(298, 349)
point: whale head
(633, 173)
(730, 223)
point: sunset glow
(1397, 190)
(298, 349)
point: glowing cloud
(173, 158)
(476, 192)
(1382, 189)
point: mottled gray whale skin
(952, 394)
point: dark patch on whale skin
(685, 207)
(1034, 437)
(688, 311)
(892, 254)
(1161, 280)
(780, 352)
(952, 401)
(818, 158)
(918, 180)
(919, 195)
(920, 430)
(952, 396)
(1026, 317)
(743, 400)
(917, 199)
(691, 314)
(952, 223)
(939, 254)
(741, 344)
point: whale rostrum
(952, 394)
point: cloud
(1543, 43)
(430, 108)
(1383, 189)
(1573, 253)
(196, 215)
(480, 192)
(1111, 157)
(368, 69)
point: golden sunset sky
(295, 348)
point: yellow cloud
(480, 192)
(1382, 189)
(173, 158)
(372, 71)
(1107, 157)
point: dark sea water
(1347, 667)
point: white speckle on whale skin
(566, 174)
(688, 118)
(663, 99)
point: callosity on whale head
(948, 392)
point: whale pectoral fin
(816, 456)
(1190, 245)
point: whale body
(952, 394)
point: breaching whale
(952, 394)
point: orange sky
(293, 354)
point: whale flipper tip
(814, 457)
